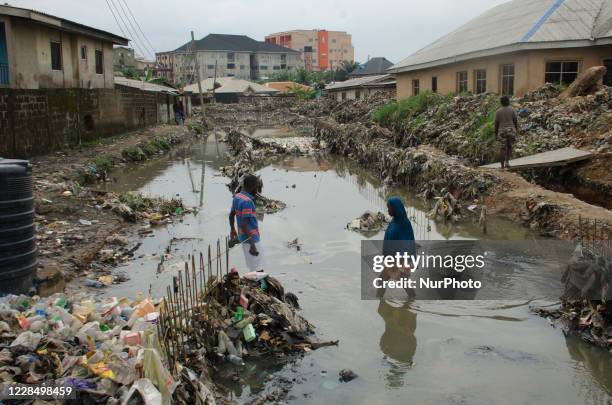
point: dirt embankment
(76, 219)
(438, 175)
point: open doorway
(607, 80)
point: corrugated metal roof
(137, 84)
(361, 81)
(61, 23)
(230, 85)
(516, 25)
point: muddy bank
(435, 174)
(76, 219)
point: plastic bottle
(237, 360)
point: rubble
(368, 223)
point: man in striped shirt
(243, 215)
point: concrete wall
(351, 94)
(38, 121)
(530, 69)
(29, 53)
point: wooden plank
(559, 157)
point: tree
(343, 71)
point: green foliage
(131, 73)
(393, 114)
(346, 67)
(195, 126)
(303, 93)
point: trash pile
(586, 309)
(106, 350)
(114, 349)
(432, 173)
(463, 125)
(260, 111)
(368, 223)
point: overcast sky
(390, 28)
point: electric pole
(197, 69)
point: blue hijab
(400, 229)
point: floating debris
(369, 222)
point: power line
(140, 28)
(136, 34)
(132, 37)
(116, 20)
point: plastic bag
(28, 340)
(154, 368)
(149, 394)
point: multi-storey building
(231, 56)
(320, 49)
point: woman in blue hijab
(399, 238)
(400, 228)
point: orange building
(320, 49)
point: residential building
(361, 87)
(319, 49)
(228, 89)
(514, 48)
(125, 58)
(374, 66)
(225, 55)
(41, 51)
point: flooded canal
(451, 352)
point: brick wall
(39, 121)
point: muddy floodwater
(445, 352)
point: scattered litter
(369, 222)
(347, 375)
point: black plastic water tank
(17, 234)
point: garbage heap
(230, 320)
(586, 305)
(433, 174)
(106, 350)
(113, 349)
(463, 125)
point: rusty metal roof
(61, 23)
(519, 25)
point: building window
(434, 84)
(84, 53)
(99, 62)
(231, 66)
(462, 82)
(507, 79)
(283, 66)
(230, 57)
(263, 67)
(56, 56)
(480, 81)
(210, 67)
(276, 68)
(416, 87)
(357, 94)
(343, 95)
(562, 72)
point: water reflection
(597, 362)
(398, 341)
